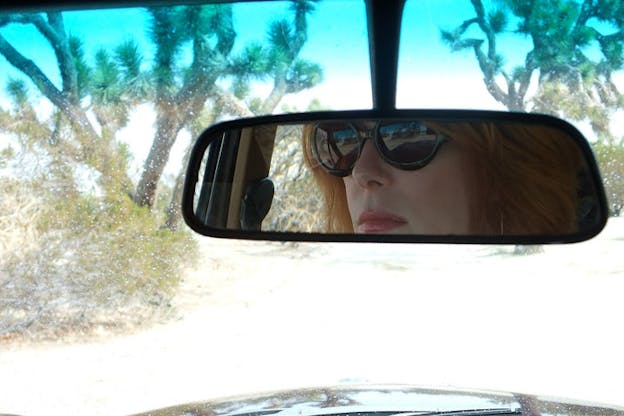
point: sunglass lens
(408, 143)
(336, 145)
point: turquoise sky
(346, 56)
(337, 40)
(430, 75)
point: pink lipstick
(378, 222)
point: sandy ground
(259, 316)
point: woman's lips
(378, 222)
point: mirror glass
(501, 176)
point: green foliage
(125, 255)
(301, 9)
(497, 20)
(222, 27)
(106, 87)
(497, 63)
(303, 74)
(17, 91)
(21, 121)
(129, 59)
(240, 88)
(6, 154)
(83, 72)
(613, 54)
(172, 28)
(163, 32)
(135, 83)
(280, 35)
(450, 38)
(255, 105)
(253, 61)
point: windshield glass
(110, 305)
(562, 58)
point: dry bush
(20, 211)
(297, 204)
(610, 157)
(70, 263)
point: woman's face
(431, 200)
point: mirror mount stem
(384, 29)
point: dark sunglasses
(408, 145)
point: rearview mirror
(408, 176)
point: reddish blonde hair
(525, 178)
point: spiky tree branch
(73, 113)
(560, 35)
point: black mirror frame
(207, 135)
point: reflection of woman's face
(430, 200)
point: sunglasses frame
(376, 138)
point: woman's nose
(370, 169)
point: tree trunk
(166, 131)
(231, 105)
(174, 207)
(278, 92)
(173, 113)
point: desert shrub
(75, 250)
(71, 260)
(297, 204)
(610, 157)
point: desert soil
(258, 316)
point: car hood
(386, 401)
